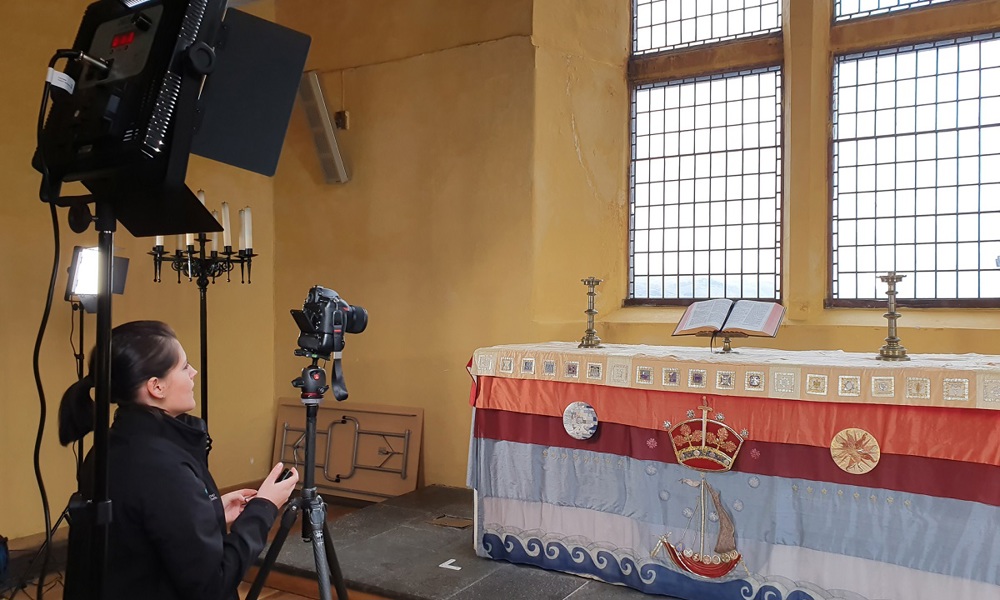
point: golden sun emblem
(855, 450)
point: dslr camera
(324, 319)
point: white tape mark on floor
(448, 565)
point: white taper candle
(243, 230)
(249, 235)
(215, 234)
(227, 239)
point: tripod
(309, 504)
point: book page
(752, 317)
(707, 315)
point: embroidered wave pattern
(647, 577)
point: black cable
(58, 580)
(72, 330)
(41, 403)
(41, 114)
(41, 417)
(44, 323)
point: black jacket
(168, 536)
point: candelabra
(195, 265)
(892, 350)
(590, 339)
(190, 260)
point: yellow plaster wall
(432, 235)
(240, 343)
(580, 170)
(347, 35)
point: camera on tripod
(324, 319)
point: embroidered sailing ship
(706, 445)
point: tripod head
(312, 382)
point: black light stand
(196, 265)
(136, 98)
(314, 526)
(106, 225)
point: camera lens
(357, 319)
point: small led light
(84, 275)
(82, 285)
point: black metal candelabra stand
(203, 268)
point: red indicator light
(123, 39)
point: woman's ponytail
(76, 412)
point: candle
(243, 229)
(189, 239)
(249, 234)
(227, 240)
(201, 198)
(159, 241)
(180, 242)
(215, 235)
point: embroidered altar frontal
(761, 474)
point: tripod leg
(317, 519)
(22, 583)
(52, 533)
(287, 520)
(334, 564)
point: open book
(747, 317)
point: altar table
(760, 474)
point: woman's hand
(278, 491)
(233, 503)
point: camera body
(324, 319)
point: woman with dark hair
(172, 535)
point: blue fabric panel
(938, 535)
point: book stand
(727, 346)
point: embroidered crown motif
(705, 444)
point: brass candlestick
(590, 339)
(727, 343)
(892, 350)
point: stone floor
(391, 549)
